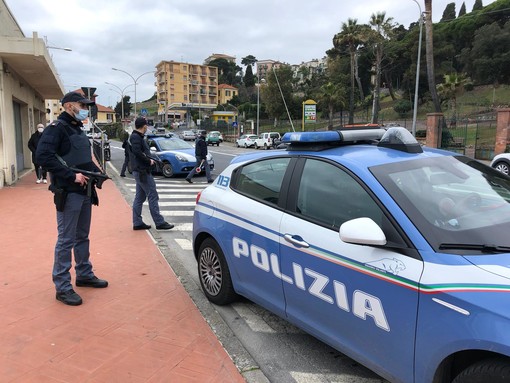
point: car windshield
(458, 204)
(173, 144)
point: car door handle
(296, 240)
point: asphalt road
(265, 347)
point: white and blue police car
(396, 255)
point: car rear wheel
(265, 146)
(503, 167)
(167, 170)
(255, 146)
(491, 370)
(214, 274)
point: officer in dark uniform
(139, 156)
(63, 145)
(201, 157)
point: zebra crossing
(177, 202)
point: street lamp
(134, 80)
(121, 96)
(415, 109)
(63, 49)
(259, 81)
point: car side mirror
(362, 231)
(153, 149)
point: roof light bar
(397, 138)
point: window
(331, 196)
(262, 180)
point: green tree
(382, 30)
(350, 37)
(462, 10)
(449, 12)
(127, 107)
(452, 87)
(227, 71)
(249, 77)
(274, 99)
(334, 98)
(477, 6)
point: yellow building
(225, 93)
(182, 86)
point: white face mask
(40, 130)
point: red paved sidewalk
(142, 328)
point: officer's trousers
(146, 189)
(73, 225)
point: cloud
(136, 36)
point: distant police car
(394, 254)
(177, 156)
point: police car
(177, 156)
(396, 255)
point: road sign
(144, 112)
(234, 124)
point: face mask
(40, 130)
(81, 115)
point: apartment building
(307, 69)
(182, 86)
(215, 56)
(266, 66)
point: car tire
(245, 146)
(167, 170)
(214, 274)
(490, 370)
(265, 147)
(503, 167)
(255, 146)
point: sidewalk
(142, 328)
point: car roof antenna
(283, 98)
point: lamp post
(415, 108)
(121, 96)
(135, 80)
(259, 81)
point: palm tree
(452, 87)
(429, 54)
(382, 28)
(332, 96)
(350, 37)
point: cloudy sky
(136, 35)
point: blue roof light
(397, 138)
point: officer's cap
(76, 97)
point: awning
(30, 60)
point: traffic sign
(144, 112)
(234, 124)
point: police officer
(139, 156)
(64, 145)
(201, 157)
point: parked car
(396, 255)
(212, 139)
(501, 162)
(188, 135)
(177, 156)
(218, 133)
(246, 140)
(266, 140)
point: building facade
(215, 56)
(266, 66)
(182, 87)
(27, 78)
(226, 92)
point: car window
(173, 144)
(262, 180)
(331, 196)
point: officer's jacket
(64, 140)
(139, 152)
